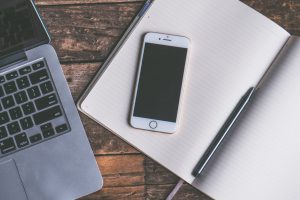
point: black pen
(216, 143)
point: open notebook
(233, 47)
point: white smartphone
(160, 78)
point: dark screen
(20, 27)
(160, 82)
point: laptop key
(21, 140)
(39, 76)
(1, 91)
(28, 108)
(2, 79)
(33, 92)
(47, 115)
(26, 123)
(13, 128)
(8, 102)
(25, 70)
(12, 75)
(46, 127)
(61, 128)
(46, 87)
(10, 87)
(15, 113)
(3, 132)
(35, 138)
(46, 101)
(21, 97)
(4, 118)
(47, 130)
(38, 65)
(48, 133)
(23, 82)
(7, 145)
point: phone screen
(160, 82)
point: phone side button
(153, 124)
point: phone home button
(153, 124)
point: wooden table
(83, 32)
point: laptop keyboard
(30, 110)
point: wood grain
(87, 32)
(79, 75)
(119, 193)
(156, 174)
(83, 33)
(104, 142)
(283, 12)
(187, 192)
(73, 2)
(122, 170)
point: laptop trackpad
(11, 187)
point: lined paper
(261, 160)
(232, 47)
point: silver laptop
(44, 151)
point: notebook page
(231, 48)
(261, 160)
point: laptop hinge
(12, 59)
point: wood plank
(123, 177)
(87, 33)
(157, 174)
(104, 142)
(78, 76)
(283, 12)
(189, 192)
(122, 170)
(74, 2)
(119, 193)
(160, 182)
(155, 192)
